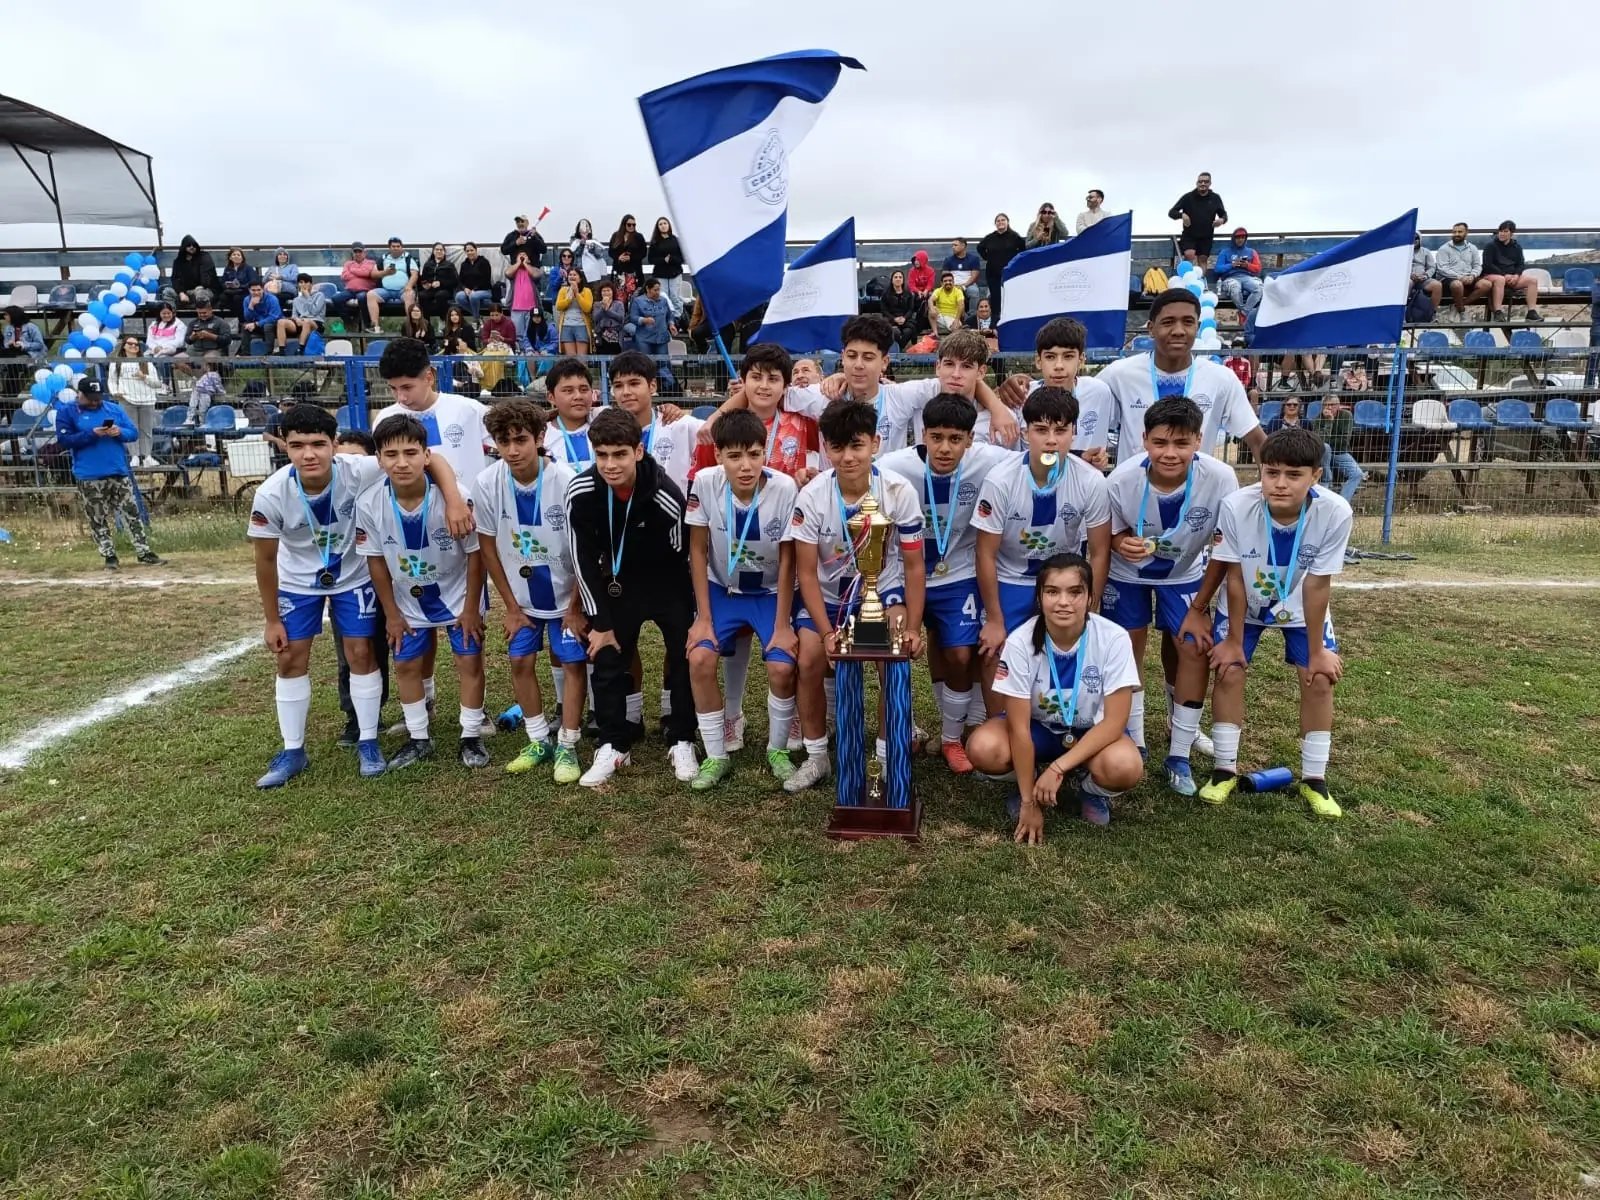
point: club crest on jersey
(1197, 519)
(1308, 556)
(1091, 678)
(1087, 422)
(790, 446)
(443, 540)
(285, 606)
(348, 508)
(661, 449)
(556, 517)
(1110, 596)
(967, 492)
(454, 435)
(1202, 401)
(1068, 516)
(773, 530)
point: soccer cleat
(813, 771)
(1321, 803)
(1204, 744)
(473, 754)
(733, 734)
(1004, 777)
(285, 765)
(778, 761)
(684, 762)
(371, 758)
(567, 768)
(1179, 777)
(533, 754)
(1095, 809)
(1014, 806)
(919, 739)
(351, 735)
(712, 772)
(955, 757)
(796, 742)
(487, 728)
(412, 753)
(112, 564)
(1218, 790)
(607, 760)
(151, 559)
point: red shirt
(797, 435)
(1240, 367)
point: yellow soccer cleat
(1217, 791)
(1321, 803)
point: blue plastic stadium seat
(173, 416)
(220, 418)
(1433, 339)
(1479, 339)
(1578, 281)
(325, 289)
(1143, 343)
(1514, 414)
(1468, 414)
(1312, 411)
(704, 412)
(1370, 414)
(1561, 413)
(374, 349)
(1271, 410)
(1527, 338)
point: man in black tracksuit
(630, 559)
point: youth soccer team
(1029, 575)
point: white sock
(1094, 789)
(711, 734)
(427, 689)
(1314, 748)
(558, 682)
(294, 702)
(471, 721)
(1185, 725)
(366, 697)
(830, 689)
(1226, 739)
(780, 714)
(416, 715)
(816, 746)
(666, 702)
(569, 737)
(735, 670)
(1136, 719)
(636, 707)
(977, 707)
(882, 750)
(538, 727)
(953, 708)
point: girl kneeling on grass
(1068, 679)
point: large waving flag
(817, 297)
(1085, 277)
(1351, 295)
(722, 142)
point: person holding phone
(95, 431)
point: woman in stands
(135, 385)
(628, 251)
(588, 255)
(237, 276)
(474, 281)
(418, 326)
(665, 257)
(902, 309)
(558, 277)
(573, 304)
(280, 278)
(999, 246)
(607, 318)
(437, 286)
(1289, 416)
(458, 336)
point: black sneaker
(473, 754)
(413, 752)
(151, 559)
(112, 564)
(351, 734)
(1533, 316)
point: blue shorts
(835, 612)
(1296, 646)
(1129, 604)
(419, 641)
(388, 295)
(1047, 745)
(1016, 604)
(355, 613)
(733, 612)
(950, 611)
(529, 640)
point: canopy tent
(53, 169)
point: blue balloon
(106, 344)
(78, 340)
(149, 260)
(133, 262)
(42, 392)
(99, 311)
(112, 321)
(125, 278)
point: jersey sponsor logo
(361, 536)
(259, 519)
(1250, 553)
(416, 567)
(799, 519)
(1091, 678)
(985, 508)
(1001, 671)
(388, 540)
(1197, 519)
(1033, 539)
(694, 501)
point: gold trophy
(868, 628)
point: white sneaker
(684, 763)
(1204, 744)
(733, 733)
(488, 728)
(796, 742)
(813, 771)
(607, 760)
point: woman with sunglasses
(1047, 229)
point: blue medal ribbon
(611, 530)
(1054, 479)
(325, 553)
(572, 451)
(1282, 581)
(1070, 708)
(1144, 502)
(736, 551)
(941, 537)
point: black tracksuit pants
(672, 611)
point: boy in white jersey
(1059, 350)
(1164, 512)
(1283, 541)
(947, 471)
(304, 527)
(741, 561)
(427, 578)
(522, 515)
(571, 392)
(825, 564)
(1171, 369)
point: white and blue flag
(1085, 278)
(1351, 295)
(817, 297)
(722, 142)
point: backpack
(1155, 282)
(1420, 308)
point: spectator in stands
(1504, 271)
(237, 276)
(982, 320)
(418, 326)
(259, 318)
(135, 385)
(192, 270)
(458, 336)
(208, 337)
(1245, 370)
(650, 320)
(587, 254)
(525, 236)
(493, 371)
(522, 289)
(665, 257)
(1308, 367)
(280, 278)
(541, 334)
(20, 342)
(207, 390)
(607, 318)
(921, 280)
(997, 249)
(565, 261)
(306, 315)
(1459, 264)
(1047, 229)
(573, 304)
(95, 434)
(1337, 428)
(164, 337)
(903, 309)
(1353, 376)
(397, 282)
(966, 265)
(1290, 415)
(1201, 211)
(1239, 268)
(628, 250)
(1094, 214)
(947, 306)
(497, 320)
(475, 279)
(436, 289)
(1424, 271)
(359, 275)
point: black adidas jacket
(655, 554)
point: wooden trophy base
(855, 822)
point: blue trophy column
(851, 732)
(897, 734)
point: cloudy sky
(433, 120)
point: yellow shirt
(949, 302)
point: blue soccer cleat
(285, 765)
(371, 758)
(1095, 809)
(1179, 777)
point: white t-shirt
(428, 560)
(570, 447)
(1244, 541)
(672, 446)
(456, 431)
(1107, 667)
(529, 531)
(1215, 389)
(819, 520)
(1181, 546)
(1032, 527)
(960, 555)
(1095, 406)
(756, 572)
(899, 408)
(276, 512)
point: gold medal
(1049, 458)
(1067, 739)
(943, 568)
(1149, 546)
(1284, 616)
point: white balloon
(72, 352)
(137, 294)
(63, 371)
(150, 273)
(1208, 297)
(41, 374)
(119, 290)
(33, 407)
(94, 352)
(87, 323)
(125, 308)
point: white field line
(110, 580)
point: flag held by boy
(817, 297)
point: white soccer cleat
(684, 763)
(607, 761)
(733, 733)
(1204, 744)
(813, 771)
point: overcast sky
(363, 118)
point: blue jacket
(265, 314)
(1243, 261)
(93, 456)
(658, 334)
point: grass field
(464, 985)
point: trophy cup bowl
(867, 531)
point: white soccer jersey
(1107, 667)
(456, 431)
(1217, 391)
(961, 547)
(527, 526)
(899, 407)
(276, 511)
(763, 531)
(1095, 406)
(1244, 541)
(570, 446)
(428, 564)
(1183, 523)
(819, 519)
(672, 446)
(1034, 527)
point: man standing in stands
(1095, 213)
(1201, 211)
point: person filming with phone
(97, 432)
